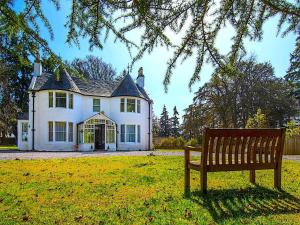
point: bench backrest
(242, 147)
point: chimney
(140, 80)
(37, 70)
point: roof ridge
(71, 81)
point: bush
(171, 143)
(192, 142)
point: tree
(229, 101)
(258, 121)
(94, 68)
(164, 123)
(8, 106)
(199, 22)
(175, 125)
(293, 73)
(155, 126)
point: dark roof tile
(123, 87)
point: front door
(100, 137)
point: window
(25, 132)
(60, 131)
(89, 134)
(122, 105)
(80, 128)
(70, 101)
(50, 99)
(122, 133)
(138, 106)
(130, 105)
(60, 100)
(70, 132)
(96, 105)
(50, 131)
(138, 133)
(130, 133)
(110, 133)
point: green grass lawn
(8, 147)
(169, 150)
(140, 190)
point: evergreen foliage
(293, 73)
(165, 128)
(175, 125)
(199, 23)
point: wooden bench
(236, 150)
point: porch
(98, 132)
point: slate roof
(123, 87)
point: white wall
(82, 110)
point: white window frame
(61, 92)
(97, 105)
(66, 131)
(126, 133)
(23, 124)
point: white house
(68, 113)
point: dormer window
(60, 100)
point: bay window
(138, 106)
(60, 131)
(70, 101)
(50, 99)
(130, 105)
(122, 105)
(50, 131)
(70, 131)
(60, 100)
(130, 133)
(122, 133)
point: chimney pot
(140, 80)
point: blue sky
(275, 50)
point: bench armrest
(193, 149)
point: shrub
(192, 142)
(171, 143)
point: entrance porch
(98, 132)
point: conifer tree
(175, 125)
(164, 123)
(293, 73)
(198, 22)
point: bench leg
(252, 176)
(203, 181)
(277, 178)
(187, 179)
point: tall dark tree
(200, 22)
(94, 68)
(175, 125)
(165, 123)
(293, 73)
(8, 106)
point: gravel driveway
(12, 155)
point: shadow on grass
(245, 203)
